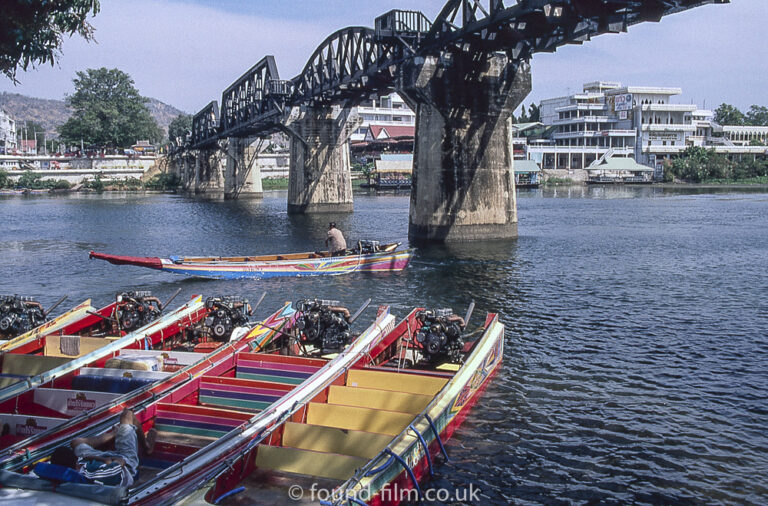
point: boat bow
(151, 262)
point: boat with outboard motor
(92, 401)
(30, 393)
(373, 435)
(366, 256)
(214, 418)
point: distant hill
(52, 113)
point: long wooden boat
(386, 259)
(87, 407)
(375, 435)
(212, 421)
(29, 401)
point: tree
(31, 32)
(757, 116)
(727, 114)
(179, 127)
(5, 179)
(534, 114)
(108, 111)
(523, 118)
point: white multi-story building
(389, 110)
(584, 129)
(610, 120)
(7, 133)
(746, 135)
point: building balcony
(575, 150)
(580, 107)
(595, 133)
(669, 107)
(584, 119)
(404, 111)
(669, 127)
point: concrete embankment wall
(575, 175)
(78, 170)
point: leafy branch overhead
(32, 31)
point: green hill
(52, 113)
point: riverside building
(608, 120)
(7, 133)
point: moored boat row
(237, 408)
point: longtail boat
(89, 410)
(30, 399)
(375, 258)
(374, 434)
(211, 421)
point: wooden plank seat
(378, 399)
(201, 421)
(355, 418)
(355, 443)
(170, 449)
(276, 368)
(396, 381)
(242, 394)
(307, 462)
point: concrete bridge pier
(242, 178)
(320, 178)
(463, 181)
(209, 173)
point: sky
(186, 52)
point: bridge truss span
(523, 27)
(349, 63)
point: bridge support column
(320, 178)
(243, 177)
(209, 173)
(463, 181)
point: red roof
(391, 131)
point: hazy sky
(186, 52)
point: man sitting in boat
(335, 241)
(117, 467)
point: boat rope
(425, 446)
(437, 436)
(408, 469)
(227, 494)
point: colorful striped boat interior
(193, 417)
(370, 409)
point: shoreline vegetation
(169, 183)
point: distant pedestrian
(335, 241)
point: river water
(636, 363)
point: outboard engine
(367, 247)
(224, 315)
(440, 335)
(19, 315)
(136, 309)
(324, 324)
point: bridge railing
(402, 23)
(205, 126)
(252, 99)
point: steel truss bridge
(357, 62)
